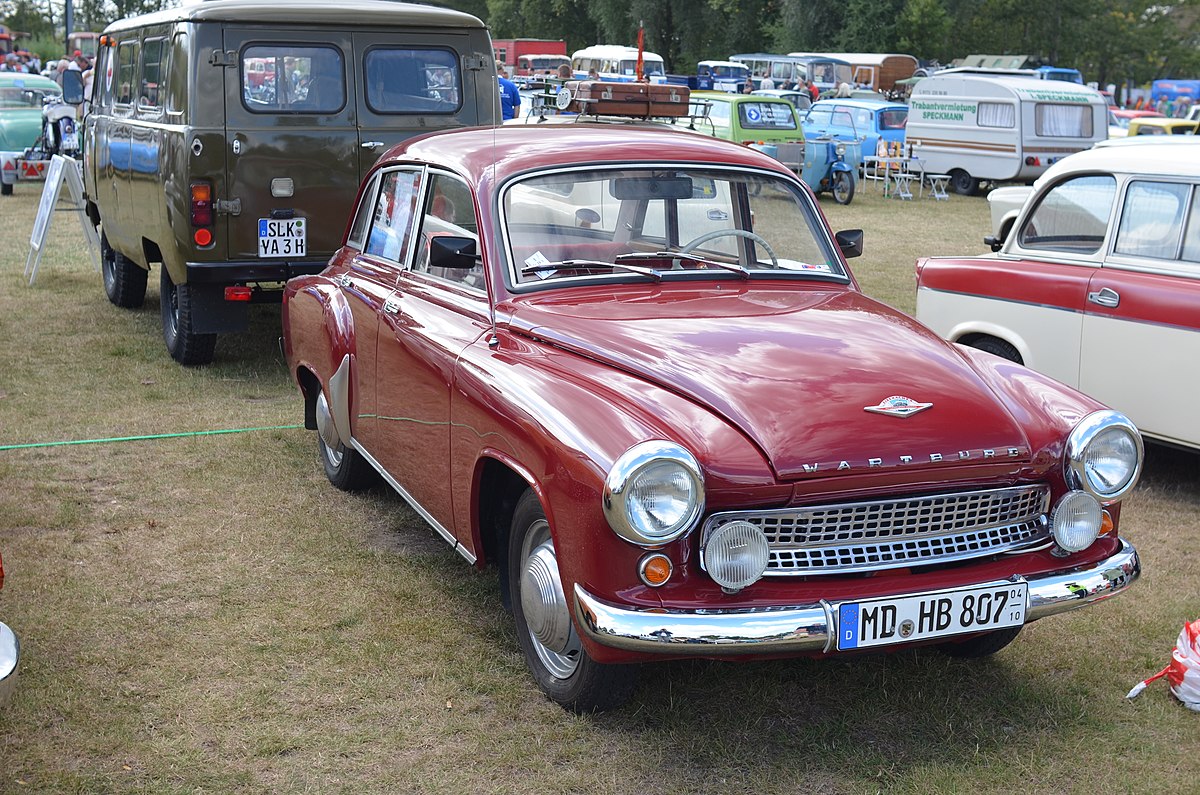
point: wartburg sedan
(630, 368)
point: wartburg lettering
(933, 458)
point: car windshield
(17, 97)
(663, 223)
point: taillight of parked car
(202, 213)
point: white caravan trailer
(998, 125)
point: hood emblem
(898, 406)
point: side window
(996, 114)
(844, 119)
(289, 78)
(175, 75)
(102, 85)
(448, 212)
(1152, 219)
(1191, 239)
(412, 80)
(1062, 121)
(392, 215)
(127, 53)
(1072, 216)
(153, 55)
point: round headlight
(1104, 455)
(654, 493)
(735, 555)
(1076, 521)
(841, 150)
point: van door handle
(372, 144)
(1106, 297)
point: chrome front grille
(892, 533)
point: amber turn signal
(655, 569)
(1106, 524)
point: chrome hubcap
(544, 606)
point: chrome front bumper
(808, 628)
(10, 653)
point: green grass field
(204, 613)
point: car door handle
(345, 281)
(372, 144)
(1106, 297)
(391, 306)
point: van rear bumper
(246, 272)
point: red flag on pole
(641, 67)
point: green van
(228, 138)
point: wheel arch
(970, 333)
(499, 484)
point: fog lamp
(735, 555)
(1075, 522)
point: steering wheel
(704, 238)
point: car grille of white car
(885, 534)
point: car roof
(1150, 158)
(24, 80)
(366, 13)
(725, 96)
(869, 104)
(483, 154)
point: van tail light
(1032, 161)
(202, 213)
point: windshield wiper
(591, 265)
(729, 266)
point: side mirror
(850, 241)
(456, 253)
(994, 243)
(72, 85)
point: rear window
(1153, 218)
(289, 78)
(893, 119)
(412, 80)
(767, 116)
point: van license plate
(902, 619)
(282, 238)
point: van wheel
(843, 187)
(184, 344)
(963, 183)
(6, 189)
(548, 638)
(124, 281)
(997, 347)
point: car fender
(321, 340)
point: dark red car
(629, 367)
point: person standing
(510, 96)
(767, 84)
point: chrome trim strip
(339, 398)
(10, 655)
(416, 506)
(807, 628)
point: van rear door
(416, 82)
(291, 142)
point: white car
(1097, 284)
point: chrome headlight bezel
(618, 492)
(1089, 431)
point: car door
(292, 141)
(1141, 327)
(432, 316)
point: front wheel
(560, 665)
(6, 189)
(184, 344)
(843, 187)
(963, 183)
(124, 281)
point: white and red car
(1097, 284)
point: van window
(996, 114)
(290, 78)
(153, 53)
(1072, 216)
(175, 75)
(1152, 219)
(767, 116)
(127, 52)
(412, 80)
(1062, 121)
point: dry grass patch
(208, 614)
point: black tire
(345, 467)
(6, 189)
(185, 345)
(843, 187)
(963, 183)
(997, 347)
(566, 674)
(981, 645)
(124, 281)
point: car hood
(797, 371)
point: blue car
(866, 120)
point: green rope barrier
(144, 438)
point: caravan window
(412, 80)
(1063, 121)
(996, 114)
(1072, 216)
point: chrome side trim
(10, 655)
(808, 628)
(416, 506)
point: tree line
(1110, 41)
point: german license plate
(282, 238)
(901, 619)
